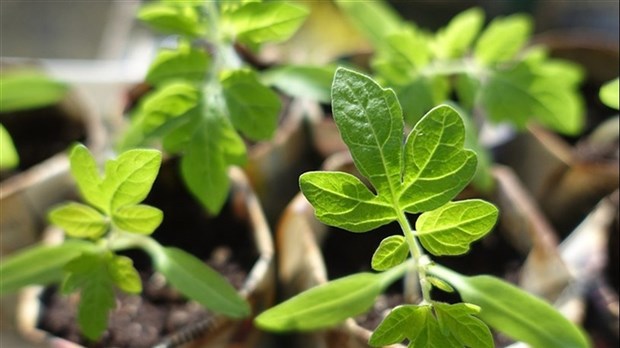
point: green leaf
(437, 167)
(128, 178)
(503, 39)
(142, 219)
(514, 312)
(459, 319)
(371, 125)
(402, 322)
(79, 220)
(439, 284)
(302, 81)
(172, 19)
(374, 19)
(421, 95)
(430, 334)
(450, 229)
(39, 264)
(194, 279)
(124, 275)
(253, 107)
(256, 23)
(23, 90)
(609, 94)
(89, 274)
(342, 200)
(168, 102)
(213, 146)
(86, 175)
(189, 64)
(325, 305)
(467, 88)
(400, 55)
(392, 251)
(455, 39)
(8, 153)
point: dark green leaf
(253, 107)
(189, 64)
(39, 264)
(430, 334)
(459, 319)
(23, 90)
(392, 251)
(503, 39)
(194, 279)
(325, 305)
(421, 95)
(79, 220)
(515, 312)
(256, 23)
(142, 219)
(342, 200)
(437, 167)
(302, 81)
(450, 229)
(173, 19)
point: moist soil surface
(146, 319)
(40, 133)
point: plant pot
(523, 247)
(240, 226)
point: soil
(146, 319)
(40, 133)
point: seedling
(205, 98)
(112, 219)
(490, 72)
(420, 175)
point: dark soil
(146, 319)
(39, 134)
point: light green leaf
(374, 19)
(86, 175)
(253, 107)
(177, 139)
(392, 251)
(430, 334)
(168, 102)
(302, 81)
(402, 322)
(124, 275)
(459, 319)
(455, 39)
(467, 88)
(194, 279)
(189, 64)
(342, 200)
(325, 305)
(450, 229)
(371, 125)
(437, 167)
(89, 275)
(609, 94)
(79, 220)
(142, 219)
(439, 284)
(256, 23)
(401, 54)
(503, 39)
(8, 153)
(24, 89)
(39, 264)
(514, 312)
(172, 19)
(128, 178)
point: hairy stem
(420, 258)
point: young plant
(205, 97)
(420, 175)
(23, 90)
(113, 220)
(490, 70)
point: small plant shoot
(206, 100)
(420, 174)
(113, 219)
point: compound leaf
(450, 229)
(79, 220)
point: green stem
(454, 67)
(419, 257)
(125, 240)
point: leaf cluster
(421, 175)
(112, 219)
(206, 101)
